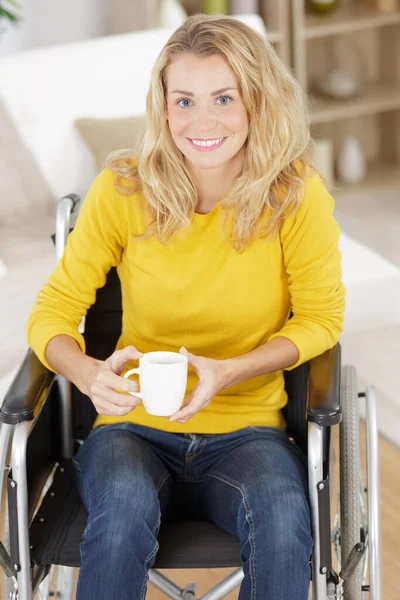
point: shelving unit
(307, 41)
(373, 116)
(276, 16)
(381, 175)
(377, 97)
(346, 19)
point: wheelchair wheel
(350, 465)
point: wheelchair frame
(23, 405)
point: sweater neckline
(202, 216)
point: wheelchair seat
(58, 526)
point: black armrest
(323, 393)
(27, 392)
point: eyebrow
(212, 93)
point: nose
(205, 120)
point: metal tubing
(65, 208)
(67, 443)
(18, 465)
(5, 436)
(63, 222)
(165, 585)
(65, 579)
(315, 475)
(373, 495)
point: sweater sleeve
(309, 240)
(93, 247)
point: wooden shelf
(377, 97)
(275, 14)
(346, 19)
(379, 176)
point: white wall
(49, 22)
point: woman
(219, 230)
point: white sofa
(44, 91)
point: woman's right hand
(102, 378)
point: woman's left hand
(213, 377)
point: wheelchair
(44, 419)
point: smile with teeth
(207, 143)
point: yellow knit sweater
(199, 293)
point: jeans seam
(153, 531)
(150, 556)
(162, 481)
(87, 489)
(251, 538)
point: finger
(119, 358)
(192, 359)
(186, 412)
(114, 398)
(109, 380)
(192, 400)
(116, 411)
(111, 410)
(103, 411)
(123, 384)
(177, 414)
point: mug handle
(127, 374)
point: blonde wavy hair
(278, 147)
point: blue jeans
(252, 483)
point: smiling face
(207, 118)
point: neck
(213, 184)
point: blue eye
(182, 100)
(226, 96)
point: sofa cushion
(105, 77)
(368, 275)
(30, 257)
(105, 135)
(24, 192)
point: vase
(324, 159)
(215, 7)
(243, 7)
(351, 165)
(324, 6)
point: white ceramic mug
(162, 381)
